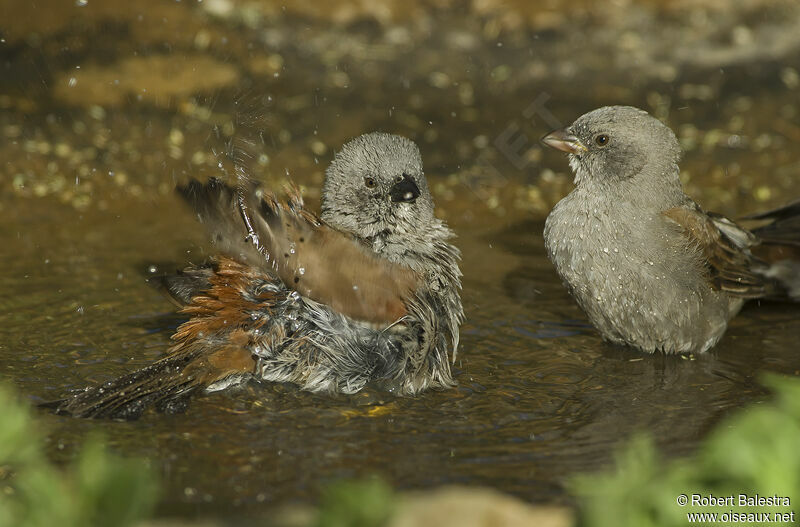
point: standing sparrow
(649, 267)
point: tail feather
(166, 385)
(783, 227)
(780, 248)
(786, 273)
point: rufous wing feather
(331, 267)
(725, 247)
(308, 256)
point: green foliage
(754, 452)
(96, 490)
(356, 503)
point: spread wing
(217, 206)
(726, 248)
(308, 256)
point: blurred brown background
(125, 95)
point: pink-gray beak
(564, 141)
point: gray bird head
(375, 185)
(616, 143)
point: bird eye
(601, 140)
(369, 182)
(399, 179)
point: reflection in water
(86, 202)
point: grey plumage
(406, 233)
(647, 265)
(408, 356)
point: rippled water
(540, 396)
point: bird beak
(404, 191)
(564, 141)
